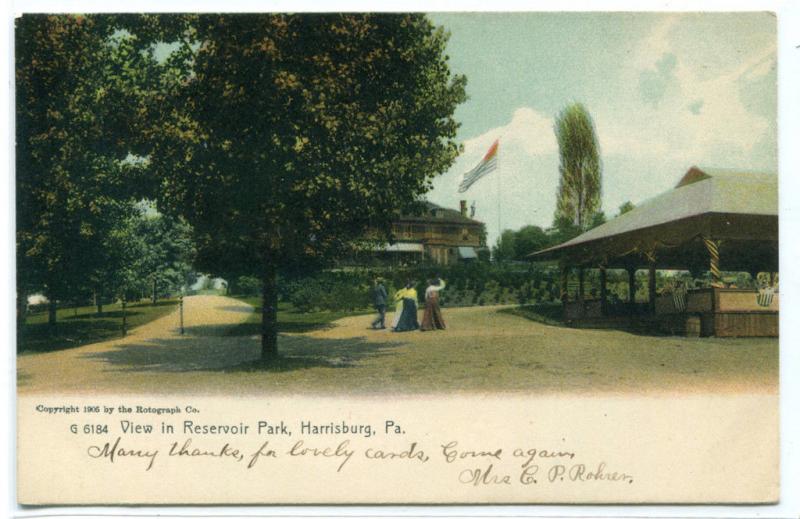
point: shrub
(307, 298)
(247, 286)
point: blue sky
(666, 91)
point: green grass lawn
(76, 327)
(290, 320)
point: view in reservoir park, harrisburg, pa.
(588, 223)
(527, 227)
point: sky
(666, 92)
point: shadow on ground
(238, 308)
(203, 351)
(69, 333)
(248, 329)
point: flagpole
(499, 209)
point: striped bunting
(484, 167)
(713, 251)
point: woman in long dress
(408, 315)
(398, 307)
(432, 318)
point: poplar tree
(580, 169)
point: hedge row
(467, 285)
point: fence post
(181, 312)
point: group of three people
(405, 315)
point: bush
(307, 298)
(247, 286)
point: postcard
(397, 258)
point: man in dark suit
(379, 300)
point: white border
(789, 159)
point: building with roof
(438, 235)
(712, 221)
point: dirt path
(153, 348)
(483, 350)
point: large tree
(85, 87)
(79, 89)
(580, 169)
(293, 134)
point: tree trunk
(155, 290)
(269, 314)
(51, 311)
(98, 302)
(124, 317)
(22, 308)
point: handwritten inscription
(476, 467)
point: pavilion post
(564, 274)
(631, 285)
(712, 246)
(603, 298)
(580, 284)
(651, 284)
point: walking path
(135, 361)
(482, 350)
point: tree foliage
(79, 84)
(519, 245)
(86, 86)
(626, 207)
(580, 169)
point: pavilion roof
(714, 203)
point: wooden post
(181, 306)
(631, 285)
(603, 301)
(564, 274)
(580, 285)
(651, 286)
(712, 246)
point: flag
(484, 167)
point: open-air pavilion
(713, 221)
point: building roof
(693, 207)
(436, 213)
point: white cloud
(526, 175)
